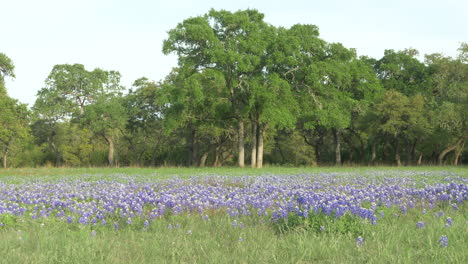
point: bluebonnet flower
(234, 223)
(129, 221)
(93, 233)
(404, 209)
(381, 214)
(359, 241)
(454, 206)
(146, 223)
(322, 228)
(443, 241)
(177, 226)
(448, 222)
(83, 220)
(281, 196)
(420, 225)
(170, 226)
(103, 222)
(116, 225)
(240, 239)
(424, 211)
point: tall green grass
(395, 239)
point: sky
(127, 35)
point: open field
(229, 215)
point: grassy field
(221, 238)
(162, 173)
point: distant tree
(14, 121)
(72, 87)
(144, 129)
(401, 118)
(69, 90)
(6, 70)
(107, 118)
(232, 44)
(449, 88)
(402, 71)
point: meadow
(231, 215)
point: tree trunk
(4, 159)
(384, 154)
(336, 134)
(203, 159)
(261, 133)
(191, 147)
(397, 153)
(110, 156)
(194, 147)
(458, 153)
(153, 157)
(374, 153)
(58, 156)
(420, 159)
(447, 150)
(241, 144)
(412, 154)
(216, 161)
(253, 160)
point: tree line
(246, 93)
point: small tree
(107, 118)
(14, 121)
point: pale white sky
(127, 35)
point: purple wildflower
(448, 222)
(443, 241)
(359, 241)
(420, 225)
(83, 220)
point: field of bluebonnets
(276, 215)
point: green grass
(395, 239)
(167, 172)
